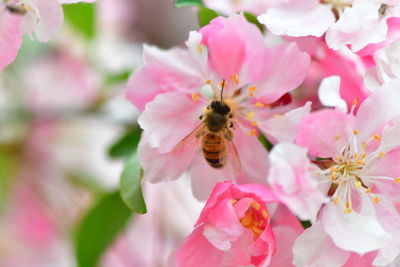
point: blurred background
(65, 131)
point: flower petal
(10, 37)
(329, 93)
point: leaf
(205, 15)
(99, 228)
(306, 224)
(130, 185)
(126, 144)
(253, 19)
(82, 17)
(267, 144)
(185, 3)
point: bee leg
(231, 116)
(231, 125)
(201, 117)
(229, 135)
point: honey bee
(215, 135)
(20, 9)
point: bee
(382, 9)
(20, 10)
(215, 135)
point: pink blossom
(181, 83)
(17, 17)
(356, 23)
(232, 6)
(234, 229)
(361, 170)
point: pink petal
(168, 119)
(285, 67)
(245, 45)
(197, 251)
(10, 37)
(314, 248)
(298, 18)
(291, 181)
(76, 1)
(285, 238)
(50, 20)
(325, 131)
(283, 128)
(360, 231)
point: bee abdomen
(214, 150)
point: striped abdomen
(214, 150)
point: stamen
(208, 82)
(376, 200)
(358, 184)
(355, 132)
(336, 201)
(381, 154)
(347, 211)
(256, 230)
(254, 123)
(234, 201)
(252, 132)
(259, 104)
(278, 116)
(250, 115)
(337, 137)
(200, 49)
(368, 190)
(264, 213)
(377, 138)
(355, 101)
(247, 220)
(235, 78)
(252, 89)
(397, 180)
(195, 97)
(256, 205)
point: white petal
(329, 93)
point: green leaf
(253, 19)
(205, 15)
(126, 145)
(82, 17)
(7, 169)
(131, 187)
(306, 224)
(185, 3)
(99, 228)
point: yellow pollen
(199, 49)
(355, 101)
(336, 200)
(252, 132)
(251, 94)
(332, 177)
(277, 116)
(208, 82)
(259, 104)
(355, 132)
(264, 213)
(252, 89)
(256, 205)
(397, 180)
(376, 200)
(250, 115)
(235, 78)
(347, 211)
(221, 84)
(195, 97)
(377, 138)
(368, 190)
(360, 162)
(334, 169)
(381, 154)
(347, 205)
(337, 137)
(358, 184)
(234, 201)
(355, 155)
(254, 123)
(256, 230)
(247, 220)
(363, 155)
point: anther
(234, 201)
(358, 184)
(254, 123)
(377, 138)
(277, 116)
(347, 205)
(235, 78)
(200, 49)
(376, 200)
(397, 180)
(250, 115)
(355, 132)
(252, 89)
(347, 211)
(260, 104)
(337, 137)
(255, 205)
(252, 132)
(336, 201)
(355, 101)
(195, 97)
(264, 213)
(381, 154)
(208, 82)
(368, 190)
(246, 220)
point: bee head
(220, 107)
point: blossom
(181, 83)
(235, 229)
(357, 23)
(17, 17)
(358, 158)
(231, 6)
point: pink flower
(44, 18)
(182, 83)
(231, 6)
(356, 23)
(360, 172)
(234, 229)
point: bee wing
(191, 141)
(233, 156)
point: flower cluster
(321, 87)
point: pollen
(355, 101)
(377, 138)
(200, 49)
(260, 104)
(247, 220)
(254, 123)
(235, 78)
(337, 137)
(250, 115)
(256, 205)
(376, 200)
(252, 132)
(348, 205)
(252, 89)
(208, 82)
(234, 201)
(195, 97)
(397, 180)
(355, 132)
(264, 213)
(347, 211)
(360, 162)
(381, 154)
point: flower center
(255, 218)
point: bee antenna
(222, 88)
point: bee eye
(214, 104)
